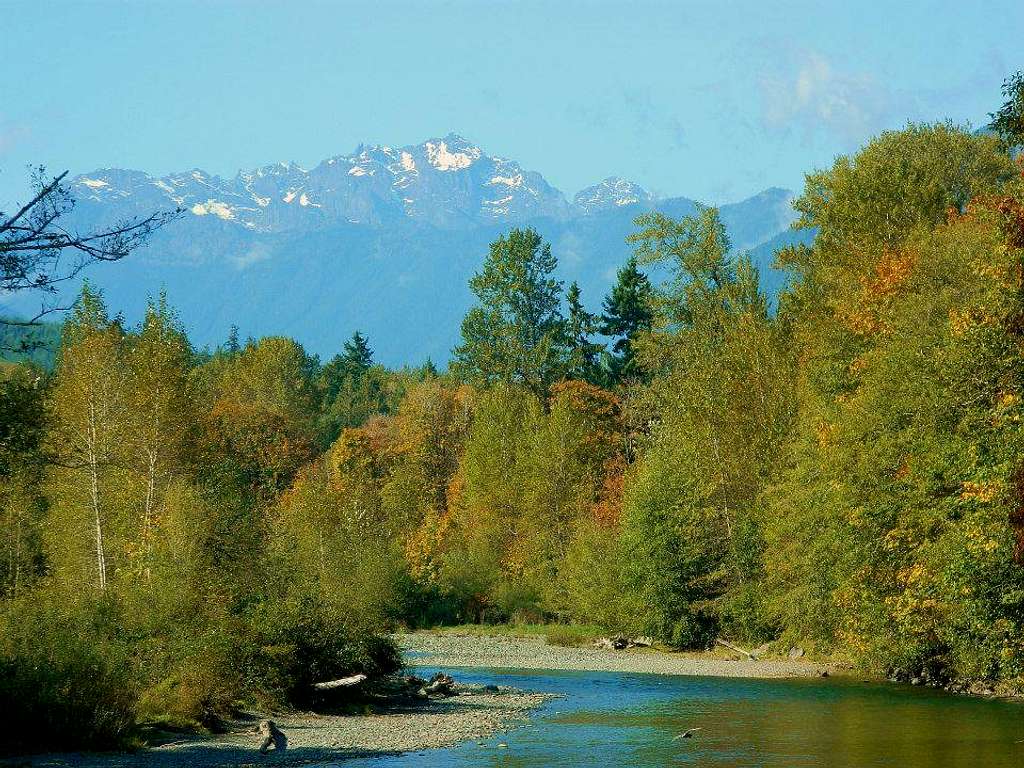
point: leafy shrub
(65, 680)
(298, 642)
(200, 685)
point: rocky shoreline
(477, 712)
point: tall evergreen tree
(580, 326)
(232, 347)
(627, 312)
(354, 361)
(354, 388)
(358, 357)
(515, 334)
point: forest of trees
(839, 467)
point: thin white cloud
(812, 96)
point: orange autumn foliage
(878, 289)
(607, 510)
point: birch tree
(159, 415)
(88, 417)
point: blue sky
(711, 100)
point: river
(620, 719)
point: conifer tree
(232, 347)
(358, 357)
(627, 312)
(580, 326)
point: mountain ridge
(383, 240)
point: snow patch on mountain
(511, 181)
(216, 207)
(443, 159)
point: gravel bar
(473, 714)
(450, 650)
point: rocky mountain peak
(613, 192)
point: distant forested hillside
(35, 344)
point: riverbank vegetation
(837, 467)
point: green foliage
(261, 412)
(358, 356)
(723, 401)
(65, 680)
(21, 417)
(36, 343)
(580, 326)
(145, 575)
(301, 641)
(354, 389)
(1008, 120)
(515, 333)
(900, 181)
(889, 535)
(592, 577)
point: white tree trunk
(94, 494)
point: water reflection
(630, 720)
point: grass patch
(572, 635)
(567, 635)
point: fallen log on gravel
(618, 642)
(440, 685)
(344, 682)
(735, 648)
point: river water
(618, 719)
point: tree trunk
(94, 494)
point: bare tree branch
(38, 254)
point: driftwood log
(440, 685)
(401, 686)
(344, 682)
(618, 642)
(736, 648)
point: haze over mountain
(382, 240)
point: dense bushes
(84, 674)
(65, 675)
(298, 642)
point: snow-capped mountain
(446, 182)
(382, 240)
(609, 194)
